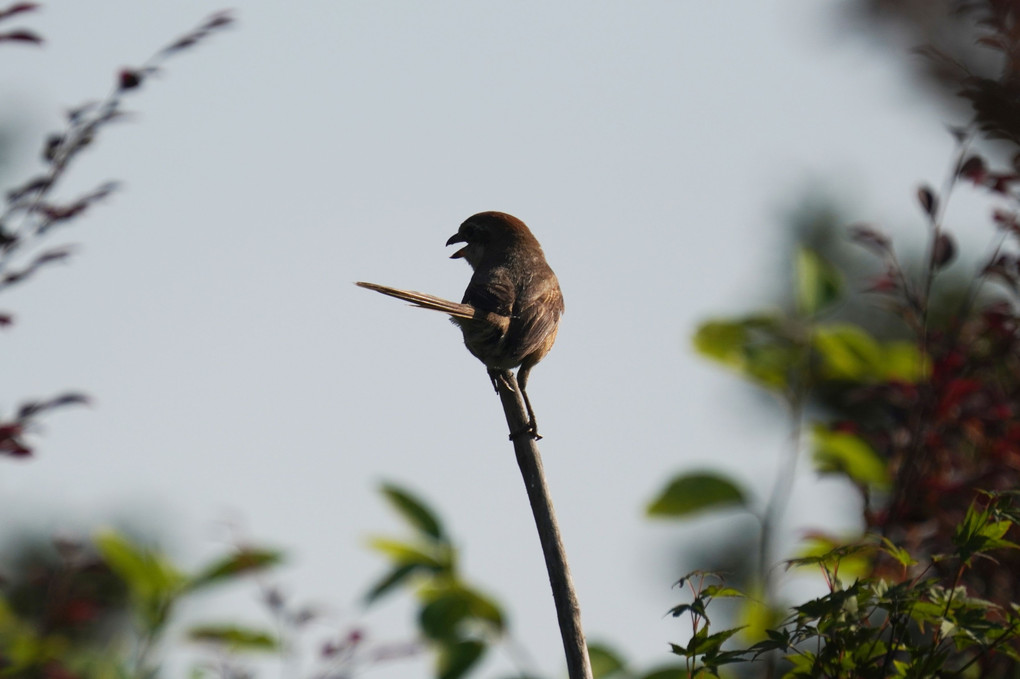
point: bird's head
(489, 234)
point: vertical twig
(568, 612)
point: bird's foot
(528, 430)
(500, 376)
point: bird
(511, 309)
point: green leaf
(900, 554)
(836, 451)
(903, 361)
(241, 562)
(405, 554)
(723, 341)
(234, 638)
(710, 644)
(455, 659)
(440, 618)
(835, 555)
(979, 533)
(394, 578)
(847, 352)
(484, 609)
(756, 616)
(604, 661)
(818, 283)
(759, 347)
(444, 611)
(696, 492)
(146, 573)
(414, 511)
(721, 591)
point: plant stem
(568, 612)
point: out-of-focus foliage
(458, 622)
(873, 627)
(101, 607)
(923, 426)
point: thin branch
(568, 612)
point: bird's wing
(535, 319)
(492, 290)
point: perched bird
(512, 306)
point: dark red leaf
(129, 79)
(218, 20)
(33, 408)
(973, 169)
(10, 443)
(869, 238)
(6, 320)
(929, 203)
(51, 147)
(21, 36)
(955, 392)
(10, 430)
(33, 186)
(18, 8)
(944, 250)
(183, 43)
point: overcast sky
(655, 149)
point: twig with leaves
(30, 212)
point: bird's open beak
(457, 238)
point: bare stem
(568, 612)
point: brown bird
(512, 306)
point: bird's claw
(528, 429)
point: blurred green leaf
(756, 616)
(848, 557)
(721, 592)
(153, 582)
(763, 348)
(414, 511)
(980, 531)
(484, 609)
(604, 661)
(723, 341)
(234, 638)
(901, 555)
(696, 492)
(404, 554)
(903, 361)
(455, 659)
(818, 283)
(847, 352)
(446, 608)
(440, 618)
(394, 578)
(836, 451)
(704, 643)
(145, 572)
(239, 563)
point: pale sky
(654, 149)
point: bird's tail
(424, 301)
